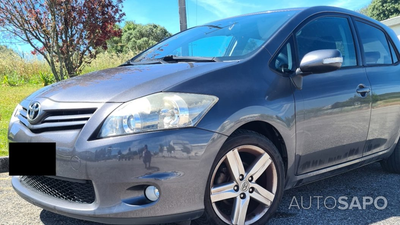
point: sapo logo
(342, 202)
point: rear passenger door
(380, 59)
(332, 115)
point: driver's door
(332, 118)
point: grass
(10, 97)
(17, 70)
(107, 60)
(22, 75)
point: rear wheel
(246, 181)
(392, 164)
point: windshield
(228, 39)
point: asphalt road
(364, 196)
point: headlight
(156, 112)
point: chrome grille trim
(23, 120)
(56, 124)
(24, 112)
(61, 116)
(68, 117)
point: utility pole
(182, 15)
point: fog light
(152, 193)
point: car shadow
(51, 218)
(48, 217)
(368, 181)
(320, 201)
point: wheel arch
(275, 123)
(272, 134)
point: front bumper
(179, 168)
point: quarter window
(374, 44)
(327, 33)
(394, 56)
(283, 62)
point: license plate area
(35, 159)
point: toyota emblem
(33, 111)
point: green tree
(66, 33)
(383, 9)
(137, 37)
(114, 44)
(363, 10)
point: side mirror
(319, 61)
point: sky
(165, 12)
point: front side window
(374, 45)
(232, 38)
(327, 33)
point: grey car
(219, 119)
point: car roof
(308, 11)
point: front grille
(55, 120)
(79, 191)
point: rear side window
(327, 33)
(374, 45)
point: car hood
(124, 83)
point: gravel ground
(368, 183)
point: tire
(246, 181)
(392, 163)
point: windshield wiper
(213, 26)
(171, 58)
(145, 62)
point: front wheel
(246, 181)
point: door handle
(362, 90)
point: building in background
(393, 23)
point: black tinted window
(327, 33)
(374, 45)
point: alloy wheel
(243, 185)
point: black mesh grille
(81, 191)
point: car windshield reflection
(229, 39)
